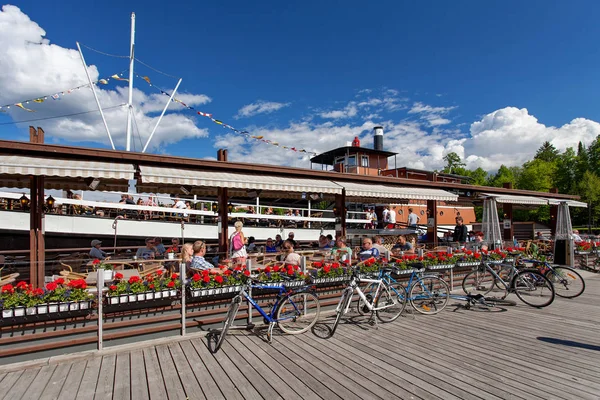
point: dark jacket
(460, 233)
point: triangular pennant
(23, 107)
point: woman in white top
(238, 254)
(291, 258)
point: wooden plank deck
(520, 353)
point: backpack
(236, 242)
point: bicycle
(427, 294)
(568, 283)
(480, 302)
(295, 311)
(530, 286)
(383, 300)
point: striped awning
(363, 190)
(23, 165)
(513, 199)
(234, 180)
(570, 203)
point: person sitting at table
(324, 243)
(402, 245)
(160, 247)
(331, 241)
(368, 251)
(289, 256)
(278, 241)
(198, 260)
(270, 246)
(148, 252)
(96, 252)
(174, 248)
(341, 251)
(251, 248)
(378, 244)
(478, 241)
(291, 239)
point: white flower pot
(30, 310)
(19, 311)
(108, 274)
(52, 307)
(173, 292)
(141, 296)
(170, 256)
(158, 295)
(74, 306)
(84, 305)
(195, 292)
(149, 295)
(42, 308)
(7, 313)
(62, 307)
(124, 298)
(113, 300)
(132, 298)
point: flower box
(440, 266)
(19, 311)
(63, 307)
(42, 308)
(132, 298)
(30, 310)
(7, 313)
(172, 293)
(468, 263)
(74, 306)
(113, 299)
(85, 305)
(124, 298)
(141, 296)
(108, 275)
(582, 252)
(495, 262)
(404, 272)
(158, 295)
(149, 295)
(52, 307)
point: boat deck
(520, 353)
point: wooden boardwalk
(522, 353)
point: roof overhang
(532, 201)
(358, 191)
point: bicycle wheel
(341, 307)
(429, 295)
(216, 339)
(533, 288)
(478, 282)
(393, 299)
(369, 292)
(567, 282)
(298, 313)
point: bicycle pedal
(426, 308)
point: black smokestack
(378, 138)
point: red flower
(246, 272)
(335, 265)
(151, 286)
(222, 266)
(22, 285)
(206, 279)
(113, 288)
(477, 255)
(51, 286)
(134, 279)
(8, 288)
(118, 275)
(227, 272)
(174, 276)
(347, 262)
(290, 271)
(296, 267)
(59, 281)
(238, 268)
(171, 284)
(267, 269)
(196, 277)
(276, 268)
(159, 272)
(326, 269)
(317, 264)
(96, 262)
(77, 284)
(219, 279)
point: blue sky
(440, 76)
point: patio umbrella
(490, 222)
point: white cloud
(30, 66)
(433, 116)
(260, 107)
(511, 136)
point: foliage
(101, 264)
(329, 269)
(453, 162)
(25, 295)
(229, 277)
(155, 282)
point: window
(351, 160)
(364, 161)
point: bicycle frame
(415, 276)
(282, 294)
(368, 304)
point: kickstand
(373, 320)
(270, 332)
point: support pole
(100, 286)
(432, 231)
(161, 115)
(507, 210)
(182, 276)
(130, 101)
(223, 214)
(95, 96)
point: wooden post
(222, 200)
(340, 204)
(553, 214)
(37, 245)
(432, 230)
(507, 210)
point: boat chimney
(378, 138)
(356, 142)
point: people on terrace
(148, 252)
(96, 252)
(412, 219)
(278, 241)
(174, 248)
(270, 246)
(460, 231)
(251, 248)
(160, 247)
(402, 245)
(341, 251)
(367, 251)
(289, 256)
(324, 243)
(237, 244)
(291, 239)
(378, 244)
(198, 260)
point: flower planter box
(214, 293)
(331, 281)
(509, 260)
(495, 262)
(141, 296)
(63, 307)
(468, 263)
(404, 272)
(440, 266)
(108, 275)
(47, 310)
(85, 305)
(582, 253)
(30, 310)
(52, 307)
(73, 306)
(7, 313)
(42, 308)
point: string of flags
(58, 95)
(223, 124)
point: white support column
(182, 276)
(249, 267)
(309, 212)
(100, 286)
(161, 115)
(130, 100)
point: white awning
(395, 192)
(512, 199)
(174, 176)
(570, 203)
(530, 200)
(23, 165)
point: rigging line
(60, 116)
(154, 69)
(101, 52)
(138, 132)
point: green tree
(589, 187)
(453, 162)
(504, 174)
(594, 156)
(566, 172)
(547, 152)
(478, 176)
(537, 175)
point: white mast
(129, 104)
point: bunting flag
(23, 107)
(224, 125)
(118, 78)
(57, 95)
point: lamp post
(24, 201)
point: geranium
(219, 279)
(51, 286)
(118, 275)
(196, 277)
(171, 285)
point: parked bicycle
(426, 293)
(295, 311)
(568, 283)
(480, 302)
(384, 302)
(530, 286)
